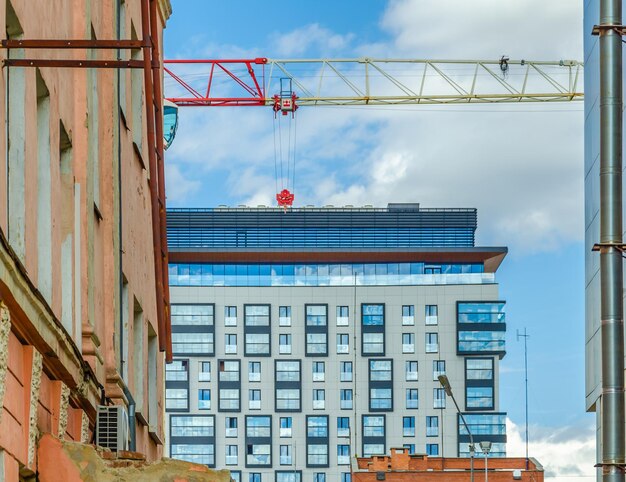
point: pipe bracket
(603, 29)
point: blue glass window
(373, 315)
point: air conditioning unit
(112, 427)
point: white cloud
(486, 28)
(304, 39)
(566, 453)
(179, 187)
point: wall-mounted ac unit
(112, 427)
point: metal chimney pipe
(611, 269)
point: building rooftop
(396, 226)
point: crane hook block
(285, 199)
(285, 104)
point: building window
(432, 449)
(317, 441)
(317, 427)
(373, 328)
(316, 315)
(195, 453)
(204, 371)
(431, 314)
(287, 371)
(479, 369)
(432, 426)
(230, 316)
(316, 344)
(432, 342)
(254, 399)
(192, 426)
(408, 315)
(319, 399)
(257, 315)
(439, 398)
(481, 328)
(369, 450)
(235, 475)
(192, 315)
(230, 344)
(319, 477)
(343, 316)
(317, 455)
(439, 368)
(254, 371)
(177, 371)
(204, 399)
(343, 455)
(373, 426)
(285, 427)
(479, 384)
(284, 316)
(381, 399)
(231, 426)
(410, 370)
(229, 399)
(232, 452)
(479, 398)
(319, 370)
(491, 425)
(254, 477)
(343, 426)
(316, 330)
(289, 476)
(284, 344)
(373, 344)
(258, 437)
(285, 455)
(346, 477)
(229, 371)
(410, 447)
(176, 399)
(345, 374)
(343, 343)
(257, 330)
(192, 344)
(412, 400)
(408, 426)
(257, 344)
(408, 343)
(345, 399)
(381, 371)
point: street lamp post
(485, 447)
(445, 383)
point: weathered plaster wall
(59, 341)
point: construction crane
(365, 81)
(286, 85)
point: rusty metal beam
(75, 64)
(158, 108)
(74, 44)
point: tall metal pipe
(611, 269)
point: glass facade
(398, 225)
(481, 328)
(368, 274)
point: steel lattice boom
(254, 82)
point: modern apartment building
(302, 339)
(80, 297)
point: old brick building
(402, 467)
(83, 297)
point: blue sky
(521, 166)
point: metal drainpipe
(131, 401)
(611, 269)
